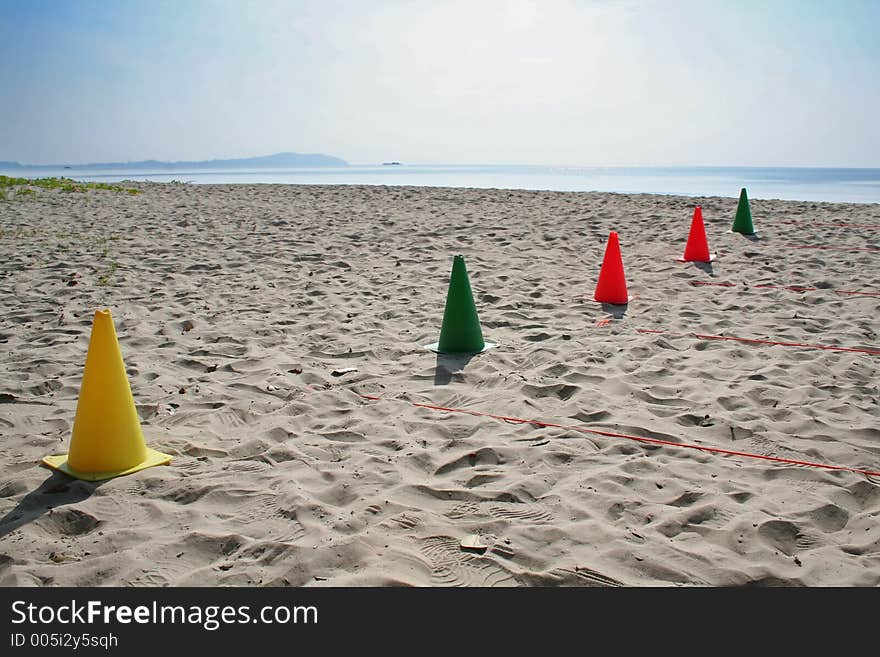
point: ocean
(787, 183)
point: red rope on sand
(642, 439)
(867, 294)
(791, 288)
(873, 352)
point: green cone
(460, 333)
(743, 222)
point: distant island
(277, 161)
(391, 164)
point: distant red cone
(611, 287)
(697, 248)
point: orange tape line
(642, 439)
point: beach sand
(235, 305)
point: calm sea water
(804, 184)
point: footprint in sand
(71, 522)
(451, 566)
(464, 510)
(581, 576)
(521, 513)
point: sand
(235, 305)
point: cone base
(59, 462)
(435, 347)
(616, 303)
(711, 258)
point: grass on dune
(24, 186)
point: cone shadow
(752, 238)
(448, 365)
(704, 266)
(57, 490)
(615, 310)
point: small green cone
(460, 332)
(743, 222)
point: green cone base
(435, 347)
(59, 462)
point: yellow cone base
(435, 347)
(59, 462)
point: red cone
(611, 287)
(697, 248)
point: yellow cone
(107, 440)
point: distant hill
(277, 161)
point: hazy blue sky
(568, 82)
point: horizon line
(436, 164)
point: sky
(543, 82)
